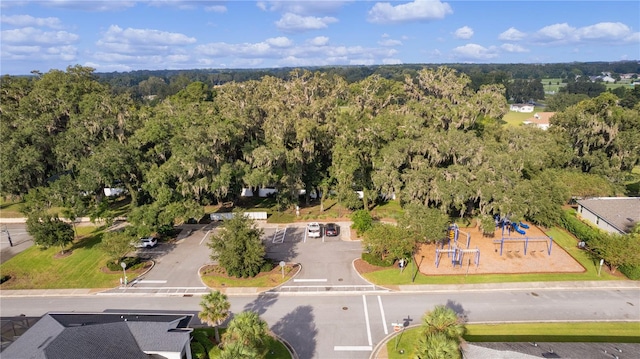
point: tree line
(430, 139)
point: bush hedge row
(377, 261)
(579, 229)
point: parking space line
(278, 237)
(205, 237)
(366, 319)
(352, 348)
(384, 320)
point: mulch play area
(513, 259)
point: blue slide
(515, 228)
(524, 225)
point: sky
(123, 35)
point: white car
(313, 230)
(148, 242)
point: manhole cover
(345, 308)
(534, 294)
(339, 279)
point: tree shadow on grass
(298, 328)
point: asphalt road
(349, 326)
(20, 239)
(328, 311)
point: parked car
(313, 230)
(331, 229)
(148, 242)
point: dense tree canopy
(428, 136)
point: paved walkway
(621, 284)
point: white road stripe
(384, 320)
(352, 348)
(310, 280)
(366, 319)
(205, 237)
(151, 281)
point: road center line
(366, 318)
(384, 320)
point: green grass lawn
(262, 280)
(513, 118)
(393, 276)
(10, 209)
(591, 332)
(37, 268)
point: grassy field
(591, 332)
(513, 118)
(37, 268)
(552, 84)
(392, 276)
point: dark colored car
(331, 229)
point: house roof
(622, 213)
(540, 118)
(101, 335)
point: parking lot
(326, 262)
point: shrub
(632, 272)
(579, 229)
(362, 221)
(267, 266)
(130, 261)
(202, 338)
(377, 261)
(197, 351)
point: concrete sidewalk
(519, 286)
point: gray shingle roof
(620, 212)
(101, 336)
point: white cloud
(612, 33)
(392, 61)
(319, 41)
(418, 10)
(279, 42)
(470, 52)
(512, 34)
(513, 48)
(464, 32)
(302, 7)
(365, 62)
(293, 22)
(30, 35)
(390, 42)
(216, 8)
(604, 31)
(28, 20)
(138, 41)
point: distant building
(521, 107)
(611, 214)
(540, 120)
(104, 336)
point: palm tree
(437, 346)
(249, 330)
(236, 350)
(443, 320)
(215, 309)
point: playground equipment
(457, 255)
(454, 233)
(453, 251)
(526, 240)
(505, 223)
